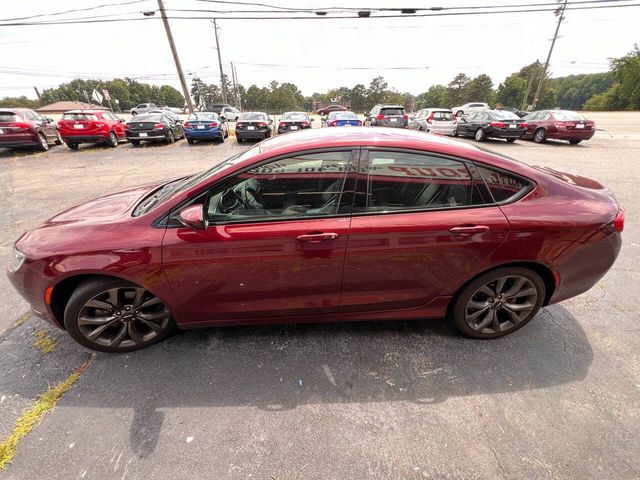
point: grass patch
(25, 316)
(30, 419)
(44, 342)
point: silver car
(143, 108)
(434, 120)
(468, 108)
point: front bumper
(31, 286)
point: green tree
(511, 91)
(358, 97)
(626, 71)
(436, 97)
(376, 91)
(480, 89)
(19, 102)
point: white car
(468, 108)
(143, 108)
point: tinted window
(250, 117)
(503, 186)
(406, 181)
(504, 115)
(301, 186)
(9, 117)
(392, 111)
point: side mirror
(223, 118)
(49, 119)
(193, 217)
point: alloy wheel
(44, 145)
(501, 304)
(123, 317)
(113, 141)
(479, 136)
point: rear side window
(504, 187)
(398, 181)
(9, 117)
(392, 111)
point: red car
(331, 108)
(91, 126)
(325, 225)
(558, 125)
(23, 127)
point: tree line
(617, 89)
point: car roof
(391, 105)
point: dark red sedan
(558, 125)
(325, 225)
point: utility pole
(235, 86)
(235, 73)
(185, 90)
(37, 92)
(546, 64)
(222, 77)
(525, 101)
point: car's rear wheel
(116, 316)
(59, 140)
(226, 132)
(135, 143)
(190, 141)
(498, 302)
(171, 138)
(540, 136)
(133, 114)
(480, 136)
(43, 145)
(72, 145)
(511, 140)
(113, 140)
(575, 141)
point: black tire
(43, 144)
(480, 136)
(97, 291)
(72, 145)
(113, 140)
(59, 140)
(170, 138)
(239, 139)
(459, 113)
(133, 114)
(511, 140)
(575, 141)
(494, 309)
(221, 139)
(540, 135)
(190, 141)
(226, 133)
(135, 143)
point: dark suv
(387, 116)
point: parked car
(434, 120)
(559, 125)
(91, 126)
(23, 127)
(289, 231)
(143, 108)
(324, 111)
(293, 121)
(205, 126)
(254, 125)
(469, 108)
(342, 119)
(225, 110)
(520, 113)
(492, 124)
(154, 127)
(387, 116)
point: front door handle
(317, 237)
(469, 229)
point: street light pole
(185, 90)
(546, 64)
(222, 78)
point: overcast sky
(45, 56)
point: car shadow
(278, 368)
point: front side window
(397, 181)
(308, 185)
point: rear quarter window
(504, 187)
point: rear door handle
(469, 229)
(317, 237)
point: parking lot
(556, 399)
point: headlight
(17, 259)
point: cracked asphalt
(412, 400)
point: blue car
(342, 119)
(205, 126)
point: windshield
(248, 117)
(564, 116)
(180, 185)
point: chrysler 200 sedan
(325, 225)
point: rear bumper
(18, 140)
(571, 135)
(251, 133)
(286, 130)
(449, 130)
(151, 136)
(494, 133)
(214, 133)
(391, 125)
(84, 138)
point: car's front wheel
(43, 144)
(111, 315)
(540, 136)
(113, 140)
(59, 140)
(480, 136)
(498, 302)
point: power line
(72, 11)
(329, 67)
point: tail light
(99, 125)
(405, 116)
(188, 125)
(359, 123)
(213, 125)
(523, 125)
(126, 126)
(455, 119)
(560, 126)
(618, 223)
(305, 124)
(262, 124)
(380, 117)
(239, 125)
(333, 123)
(158, 126)
(498, 124)
(20, 126)
(430, 119)
(282, 125)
